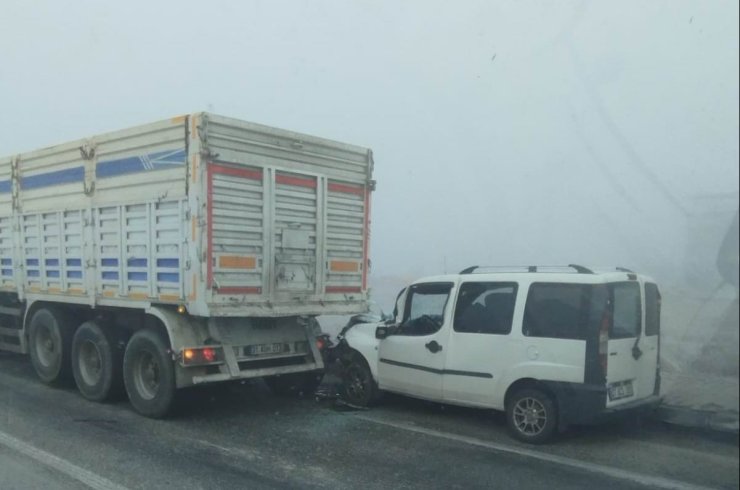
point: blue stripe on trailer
(6, 186)
(7, 272)
(66, 176)
(6, 261)
(52, 262)
(137, 276)
(52, 273)
(136, 262)
(32, 273)
(76, 274)
(141, 163)
(168, 263)
(74, 262)
(110, 275)
(109, 262)
(32, 262)
(168, 277)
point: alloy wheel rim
(530, 416)
(356, 384)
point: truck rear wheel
(96, 363)
(149, 374)
(295, 384)
(50, 339)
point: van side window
(652, 309)
(425, 308)
(485, 307)
(561, 310)
(627, 308)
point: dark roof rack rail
(469, 270)
(529, 268)
(623, 269)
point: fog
(597, 133)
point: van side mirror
(383, 331)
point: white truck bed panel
(226, 217)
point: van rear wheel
(531, 416)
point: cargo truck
(193, 250)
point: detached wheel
(96, 363)
(358, 386)
(50, 339)
(531, 416)
(149, 374)
(296, 384)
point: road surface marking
(73, 471)
(639, 478)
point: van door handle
(613, 353)
(433, 346)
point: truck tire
(149, 374)
(296, 384)
(50, 338)
(358, 386)
(531, 416)
(96, 363)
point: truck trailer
(193, 250)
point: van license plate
(258, 349)
(620, 390)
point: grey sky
(504, 132)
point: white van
(549, 346)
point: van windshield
(425, 307)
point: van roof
(540, 274)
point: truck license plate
(255, 350)
(620, 390)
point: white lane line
(73, 471)
(639, 478)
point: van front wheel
(358, 386)
(531, 416)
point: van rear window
(652, 309)
(627, 319)
(563, 310)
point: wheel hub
(90, 363)
(146, 375)
(45, 347)
(530, 416)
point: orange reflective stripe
(344, 266)
(237, 262)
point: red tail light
(200, 355)
(209, 355)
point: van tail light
(199, 356)
(606, 320)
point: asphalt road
(241, 436)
